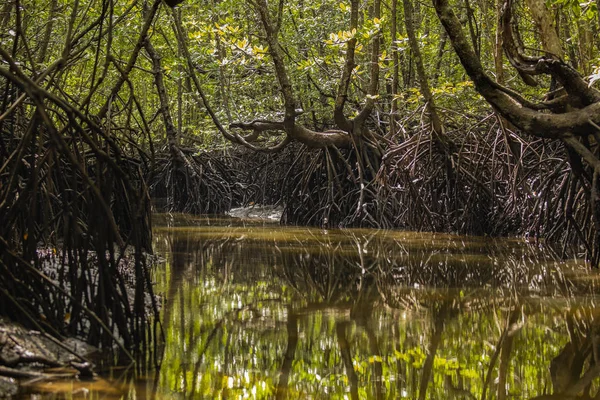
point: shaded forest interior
(476, 118)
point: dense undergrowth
(497, 184)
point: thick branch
(280, 69)
(579, 91)
(528, 120)
(165, 111)
(259, 125)
(436, 121)
(304, 135)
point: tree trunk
(434, 118)
(170, 128)
(47, 32)
(288, 359)
(498, 50)
(543, 21)
(395, 69)
(440, 56)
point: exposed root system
(333, 188)
(201, 184)
(65, 184)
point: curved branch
(310, 138)
(555, 104)
(527, 119)
(259, 125)
(293, 132)
(577, 88)
(511, 42)
(304, 135)
(297, 132)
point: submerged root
(500, 185)
(482, 180)
(213, 182)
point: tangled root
(334, 188)
(196, 184)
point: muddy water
(262, 311)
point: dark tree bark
(571, 116)
(524, 114)
(395, 69)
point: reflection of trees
(203, 327)
(577, 365)
(334, 276)
(436, 337)
(345, 352)
(288, 358)
(306, 314)
(503, 350)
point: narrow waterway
(256, 310)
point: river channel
(257, 310)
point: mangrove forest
(287, 199)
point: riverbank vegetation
(457, 116)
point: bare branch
(133, 57)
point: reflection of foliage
(297, 313)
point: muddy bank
(29, 357)
(51, 262)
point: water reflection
(269, 312)
(262, 311)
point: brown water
(261, 311)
